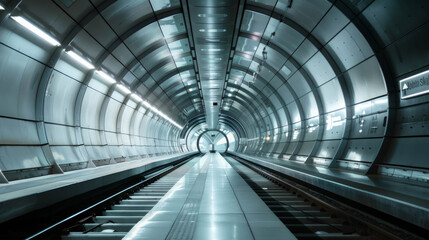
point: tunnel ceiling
(311, 81)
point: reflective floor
(210, 202)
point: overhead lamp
(36, 30)
(136, 97)
(1, 7)
(255, 75)
(146, 104)
(161, 114)
(259, 69)
(212, 30)
(154, 109)
(106, 76)
(211, 49)
(264, 53)
(79, 59)
(123, 88)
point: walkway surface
(26, 195)
(210, 202)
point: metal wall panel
(332, 96)
(334, 125)
(18, 84)
(61, 135)
(60, 99)
(91, 107)
(67, 154)
(299, 85)
(309, 105)
(111, 115)
(409, 152)
(294, 113)
(312, 129)
(366, 75)
(99, 29)
(362, 150)
(327, 149)
(392, 20)
(304, 52)
(132, 12)
(143, 38)
(97, 152)
(126, 116)
(286, 37)
(15, 131)
(111, 138)
(330, 25)
(84, 43)
(21, 157)
(253, 22)
(408, 53)
(319, 68)
(305, 149)
(349, 47)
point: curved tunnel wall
(56, 114)
(314, 105)
(326, 92)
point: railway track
(113, 217)
(309, 214)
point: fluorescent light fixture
(136, 97)
(212, 40)
(211, 49)
(36, 30)
(123, 88)
(212, 30)
(106, 76)
(81, 60)
(154, 109)
(147, 104)
(1, 7)
(161, 114)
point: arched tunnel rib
(332, 93)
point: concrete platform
(210, 202)
(23, 196)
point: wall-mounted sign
(415, 85)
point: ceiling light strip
(36, 30)
(80, 59)
(22, 21)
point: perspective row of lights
(25, 23)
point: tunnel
(330, 94)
